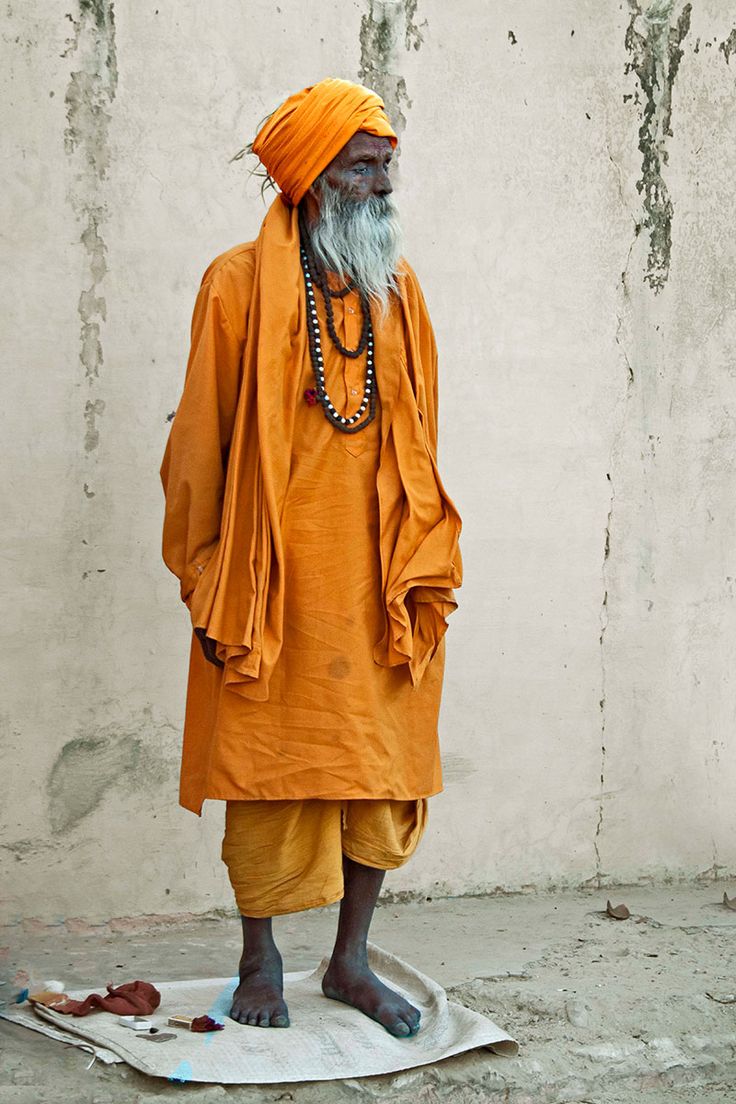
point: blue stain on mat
(220, 1008)
(183, 1072)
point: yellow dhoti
(286, 856)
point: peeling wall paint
(89, 96)
(654, 39)
(93, 409)
(92, 308)
(413, 37)
(385, 26)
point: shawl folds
(234, 583)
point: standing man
(316, 548)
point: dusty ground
(606, 1011)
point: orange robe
(318, 561)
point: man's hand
(209, 647)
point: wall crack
(600, 875)
(603, 618)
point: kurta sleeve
(195, 462)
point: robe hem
(363, 861)
(322, 902)
(194, 806)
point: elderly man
(316, 547)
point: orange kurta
(336, 711)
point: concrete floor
(605, 1011)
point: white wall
(587, 397)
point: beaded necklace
(313, 274)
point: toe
(251, 1019)
(279, 1019)
(264, 1020)
(399, 1028)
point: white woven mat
(326, 1040)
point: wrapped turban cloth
(312, 126)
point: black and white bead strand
(367, 407)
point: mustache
(345, 202)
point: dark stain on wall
(457, 768)
(88, 767)
(654, 43)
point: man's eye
(361, 169)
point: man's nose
(382, 183)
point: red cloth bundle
(135, 998)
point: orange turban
(311, 127)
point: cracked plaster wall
(566, 182)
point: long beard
(359, 240)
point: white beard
(358, 240)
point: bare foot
(354, 983)
(259, 999)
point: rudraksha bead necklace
(366, 412)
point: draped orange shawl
(238, 598)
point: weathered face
(351, 219)
(361, 167)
